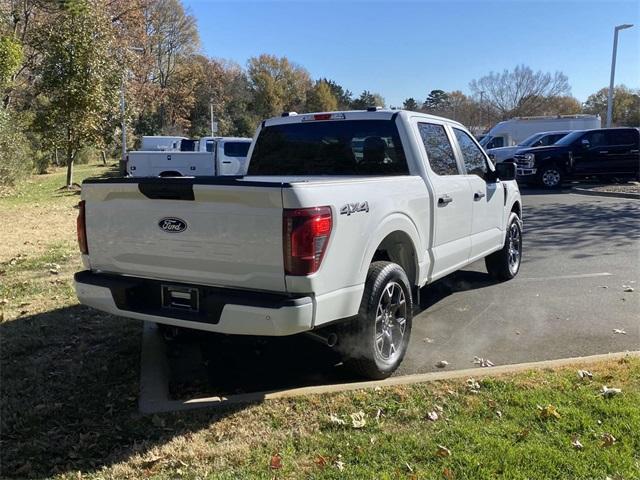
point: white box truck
(512, 132)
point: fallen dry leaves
(548, 412)
(276, 462)
(608, 440)
(443, 451)
(607, 392)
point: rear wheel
(505, 263)
(375, 343)
(550, 176)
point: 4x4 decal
(350, 208)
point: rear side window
(473, 157)
(621, 137)
(343, 147)
(236, 149)
(439, 150)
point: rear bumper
(223, 310)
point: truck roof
(380, 114)
(227, 139)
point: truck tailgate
(205, 231)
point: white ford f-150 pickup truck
(342, 217)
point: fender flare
(394, 222)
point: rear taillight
(82, 229)
(306, 234)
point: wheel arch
(396, 240)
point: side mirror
(585, 143)
(506, 171)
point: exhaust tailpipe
(329, 339)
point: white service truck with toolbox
(209, 156)
(342, 217)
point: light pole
(613, 70)
(123, 116)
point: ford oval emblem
(172, 225)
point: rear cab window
(340, 147)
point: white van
(512, 132)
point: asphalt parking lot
(580, 252)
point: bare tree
(519, 92)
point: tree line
(64, 65)
(522, 92)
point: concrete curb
(588, 191)
(154, 393)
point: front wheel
(505, 263)
(550, 176)
(375, 343)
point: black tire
(550, 176)
(369, 345)
(505, 263)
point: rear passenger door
(621, 151)
(451, 202)
(487, 195)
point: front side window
(552, 139)
(596, 139)
(474, 160)
(496, 142)
(439, 150)
(343, 147)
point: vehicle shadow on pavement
(595, 225)
(69, 395)
(204, 364)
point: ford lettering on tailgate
(172, 225)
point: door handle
(226, 162)
(444, 200)
(479, 196)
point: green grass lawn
(69, 391)
(47, 188)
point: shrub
(15, 154)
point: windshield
(346, 147)
(527, 142)
(569, 139)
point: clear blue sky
(406, 49)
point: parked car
(511, 132)
(606, 153)
(312, 239)
(209, 156)
(542, 139)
